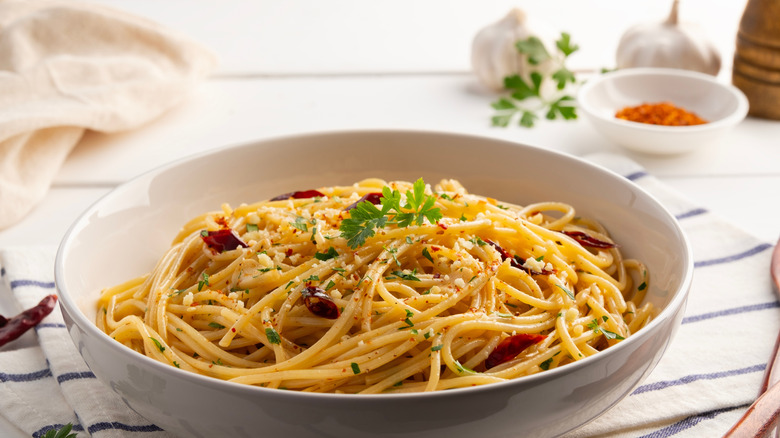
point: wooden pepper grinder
(757, 59)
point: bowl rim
(78, 318)
(739, 113)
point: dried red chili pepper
(319, 303)
(373, 198)
(510, 347)
(222, 240)
(585, 239)
(303, 194)
(16, 326)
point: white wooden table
(307, 65)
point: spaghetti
(380, 287)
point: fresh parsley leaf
(437, 347)
(405, 276)
(355, 368)
(300, 223)
(427, 255)
(534, 48)
(327, 255)
(273, 336)
(546, 364)
(203, 282)
(500, 104)
(363, 220)
(216, 325)
(562, 76)
(462, 368)
(612, 335)
(521, 90)
(568, 292)
(565, 46)
(62, 432)
(568, 112)
(158, 344)
(330, 285)
(528, 119)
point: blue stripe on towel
(690, 422)
(733, 257)
(42, 431)
(49, 325)
(26, 377)
(694, 377)
(691, 213)
(731, 311)
(41, 284)
(97, 427)
(636, 175)
(74, 376)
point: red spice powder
(662, 113)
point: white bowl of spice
(661, 111)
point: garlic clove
(668, 44)
(494, 55)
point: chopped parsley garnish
(437, 347)
(463, 369)
(330, 285)
(216, 325)
(642, 286)
(476, 240)
(403, 276)
(365, 218)
(176, 364)
(568, 292)
(203, 282)
(300, 223)
(251, 227)
(158, 344)
(327, 255)
(427, 254)
(612, 335)
(273, 336)
(311, 278)
(355, 368)
(546, 364)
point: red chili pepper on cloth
(11, 329)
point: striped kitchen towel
(708, 377)
(712, 370)
(47, 385)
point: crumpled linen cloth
(709, 375)
(67, 66)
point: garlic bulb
(494, 55)
(668, 44)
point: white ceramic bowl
(123, 234)
(722, 105)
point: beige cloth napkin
(66, 67)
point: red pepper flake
(585, 239)
(441, 225)
(510, 347)
(319, 303)
(11, 329)
(233, 329)
(373, 198)
(289, 252)
(304, 194)
(224, 239)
